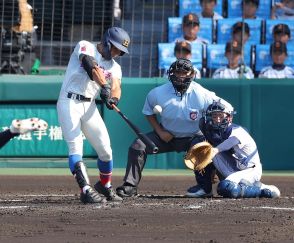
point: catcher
(233, 153)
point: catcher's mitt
(199, 156)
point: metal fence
(60, 24)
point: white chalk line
(271, 208)
(201, 205)
(14, 207)
(36, 196)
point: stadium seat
(224, 30)
(166, 55)
(216, 57)
(269, 25)
(263, 11)
(175, 28)
(263, 58)
(188, 6)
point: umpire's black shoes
(91, 196)
(126, 190)
(107, 192)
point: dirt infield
(47, 209)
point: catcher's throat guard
(199, 156)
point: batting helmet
(119, 38)
(181, 74)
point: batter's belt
(78, 97)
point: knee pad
(248, 190)
(229, 189)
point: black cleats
(107, 192)
(126, 190)
(91, 196)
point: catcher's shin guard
(230, 189)
(204, 178)
(80, 173)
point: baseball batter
(91, 72)
(18, 127)
(182, 101)
(236, 156)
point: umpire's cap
(282, 29)
(278, 47)
(119, 38)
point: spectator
(278, 51)
(281, 32)
(233, 52)
(191, 26)
(283, 10)
(183, 49)
(208, 9)
(249, 8)
(240, 32)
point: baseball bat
(147, 141)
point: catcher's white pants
(76, 117)
(226, 165)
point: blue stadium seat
(224, 30)
(263, 58)
(166, 55)
(188, 6)
(263, 11)
(175, 28)
(216, 56)
(269, 25)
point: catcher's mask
(181, 74)
(117, 37)
(213, 109)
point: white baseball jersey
(180, 116)
(270, 72)
(244, 162)
(77, 116)
(76, 79)
(215, 16)
(227, 73)
(197, 40)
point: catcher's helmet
(217, 106)
(181, 74)
(119, 38)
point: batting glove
(105, 93)
(110, 102)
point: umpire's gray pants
(138, 152)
